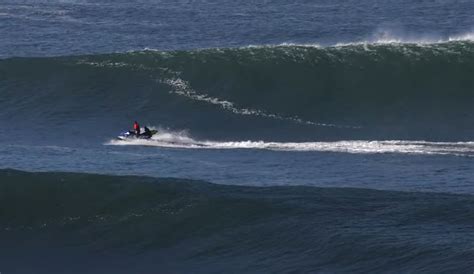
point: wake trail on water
(182, 140)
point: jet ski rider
(136, 128)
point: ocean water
(293, 136)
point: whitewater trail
(169, 139)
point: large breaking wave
(355, 91)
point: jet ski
(144, 134)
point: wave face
(368, 91)
(138, 224)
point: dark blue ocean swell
(138, 224)
(366, 91)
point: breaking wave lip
(387, 37)
(383, 38)
(170, 139)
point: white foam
(104, 64)
(462, 37)
(182, 88)
(388, 37)
(182, 140)
(381, 37)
